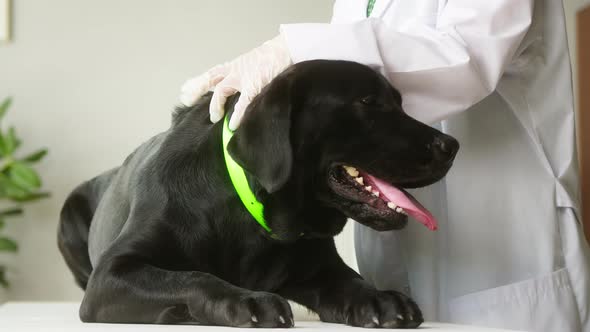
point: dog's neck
(200, 170)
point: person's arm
(439, 70)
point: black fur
(165, 239)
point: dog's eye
(369, 100)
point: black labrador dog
(164, 238)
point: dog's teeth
(369, 188)
(359, 180)
(351, 171)
(376, 193)
(399, 210)
(391, 205)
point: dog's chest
(251, 268)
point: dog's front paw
(385, 309)
(259, 309)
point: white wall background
(94, 79)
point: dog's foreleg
(127, 289)
(339, 295)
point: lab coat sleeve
(440, 69)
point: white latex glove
(248, 74)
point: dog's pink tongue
(412, 207)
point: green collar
(238, 179)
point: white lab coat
(509, 252)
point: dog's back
(94, 213)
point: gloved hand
(248, 74)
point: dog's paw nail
(411, 317)
(282, 319)
(292, 322)
(255, 319)
(391, 325)
(376, 320)
(400, 317)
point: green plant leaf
(11, 190)
(35, 156)
(11, 212)
(7, 244)
(3, 282)
(11, 141)
(24, 176)
(4, 106)
(15, 193)
(3, 149)
(32, 197)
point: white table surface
(63, 317)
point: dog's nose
(445, 146)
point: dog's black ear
(261, 144)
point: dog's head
(332, 135)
